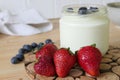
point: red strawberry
(89, 59)
(43, 52)
(45, 66)
(48, 49)
(64, 60)
(51, 47)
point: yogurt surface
(78, 30)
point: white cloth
(23, 23)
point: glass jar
(79, 29)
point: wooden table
(9, 46)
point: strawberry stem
(93, 45)
(68, 48)
(76, 52)
(70, 51)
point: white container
(78, 30)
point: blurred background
(47, 8)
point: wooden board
(109, 68)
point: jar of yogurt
(82, 25)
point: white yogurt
(78, 30)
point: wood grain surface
(9, 46)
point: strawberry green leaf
(93, 45)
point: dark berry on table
(20, 57)
(28, 48)
(69, 9)
(21, 53)
(15, 60)
(21, 50)
(82, 10)
(94, 9)
(48, 41)
(34, 45)
(40, 45)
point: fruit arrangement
(50, 63)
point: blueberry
(20, 57)
(21, 50)
(82, 10)
(94, 9)
(28, 48)
(21, 53)
(40, 45)
(34, 45)
(48, 41)
(69, 9)
(15, 60)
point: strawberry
(48, 49)
(45, 66)
(64, 60)
(51, 47)
(43, 52)
(89, 59)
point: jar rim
(102, 9)
(114, 4)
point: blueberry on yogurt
(82, 10)
(94, 9)
(69, 9)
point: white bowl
(114, 12)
